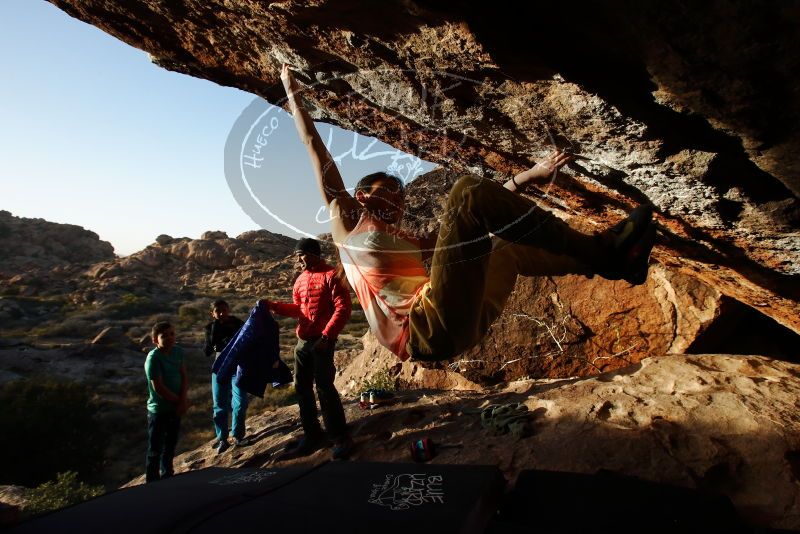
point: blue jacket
(252, 353)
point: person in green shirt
(166, 385)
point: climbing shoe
(629, 242)
(636, 273)
(241, 442)
(511, 418)
(305, 446)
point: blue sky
(94, 134)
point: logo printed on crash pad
(401, 492)
(243, 478)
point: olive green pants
(473, 272)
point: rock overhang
(691, 107)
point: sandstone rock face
(214, 235)
(569, 325)
(164, 239)
(572, 326)
(690, 107)
(55, 294)
(559, 327)
(356, 367)
(722, 423)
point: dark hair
(159, 328)
(366, 182)
(309, 246)
(218, 304)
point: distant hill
(37, 243)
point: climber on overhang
(488, 235)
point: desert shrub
(10, 291)
(382, 379)
(48, 427)
(70, 327)
(193, 313)
(64, 491)
(193, 310)
(132, 298)
(131, 305)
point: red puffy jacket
(321, 302)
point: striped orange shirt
(385, 269)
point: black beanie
(309, 246)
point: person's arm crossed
(163, 391)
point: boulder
(12, 501)
(357, 368)
(112, 336)
(214, 235)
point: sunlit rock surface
(723, 423)
(691, 107)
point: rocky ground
(719, 422)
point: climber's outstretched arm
(327, 174)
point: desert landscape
(691, 379)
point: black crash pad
(559, 502)
(361, 497)
(165, 506)
(342, 497)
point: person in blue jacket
(227, 397)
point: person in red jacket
(322, 304)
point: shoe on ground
(342, 449)
(223, 446)
(241, 442)
(305, 446)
